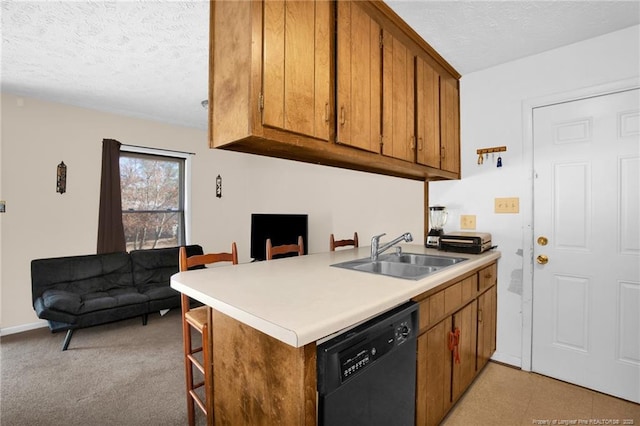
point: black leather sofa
(82, 291)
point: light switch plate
(507, 205)
(468, 221)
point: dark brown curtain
(110, 228)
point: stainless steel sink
(422, 259)
(411, 266)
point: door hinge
(261, 102)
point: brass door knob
(542, 259)
(543, 241)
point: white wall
(37, 135)
(492, 115)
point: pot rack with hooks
(484, 153)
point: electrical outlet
(468, 221)
(507, 205)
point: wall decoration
(61, 179)
(219, 186)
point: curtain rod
(157, 149)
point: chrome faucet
(375, 242)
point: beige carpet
(116, 374)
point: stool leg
(208, 373)
(186, 332)
(207, 335)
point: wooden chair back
(285, 248)
(206, 259)
(333, 243)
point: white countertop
(300, 300)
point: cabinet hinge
(261, 102)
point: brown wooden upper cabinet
(296, 73)
(344, 83)
(438, 118)
(398, 101)
(358, 78)
(428, 113)
(449, 125)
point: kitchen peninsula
(268, 317)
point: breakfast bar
(269, 316)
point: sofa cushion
(72, 303)
(81, 274)
(62, 300)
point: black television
(281, 228)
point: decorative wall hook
(485, 152)
(61, 178)
(219, 186)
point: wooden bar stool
(342, 243)
(199, 319)
(285, 248)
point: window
(153, 200)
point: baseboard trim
(506, 359)
(20, 328)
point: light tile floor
(502, 395)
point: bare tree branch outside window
(152, 200)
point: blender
(437, 219)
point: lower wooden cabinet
(486, 326)
(457, 338)
(433, 378)
(464, 349)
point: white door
(586, 298)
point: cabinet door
(358, 77)
(465, 369)
(433, 392)
(449, 125)
(398, 138)
(486, 326)
(427, 114)
(296, 66)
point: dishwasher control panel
(350, 354)
(355, 359)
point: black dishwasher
(367, 375)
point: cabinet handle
(488, 275)
(454, 342)
(412, 143)
(419, 144)
(326, 112)
(479, 315)
(442, 153)
(342, 119)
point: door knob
(543, 241)
(542, 259)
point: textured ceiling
(149, 59)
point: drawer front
(487, 277)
